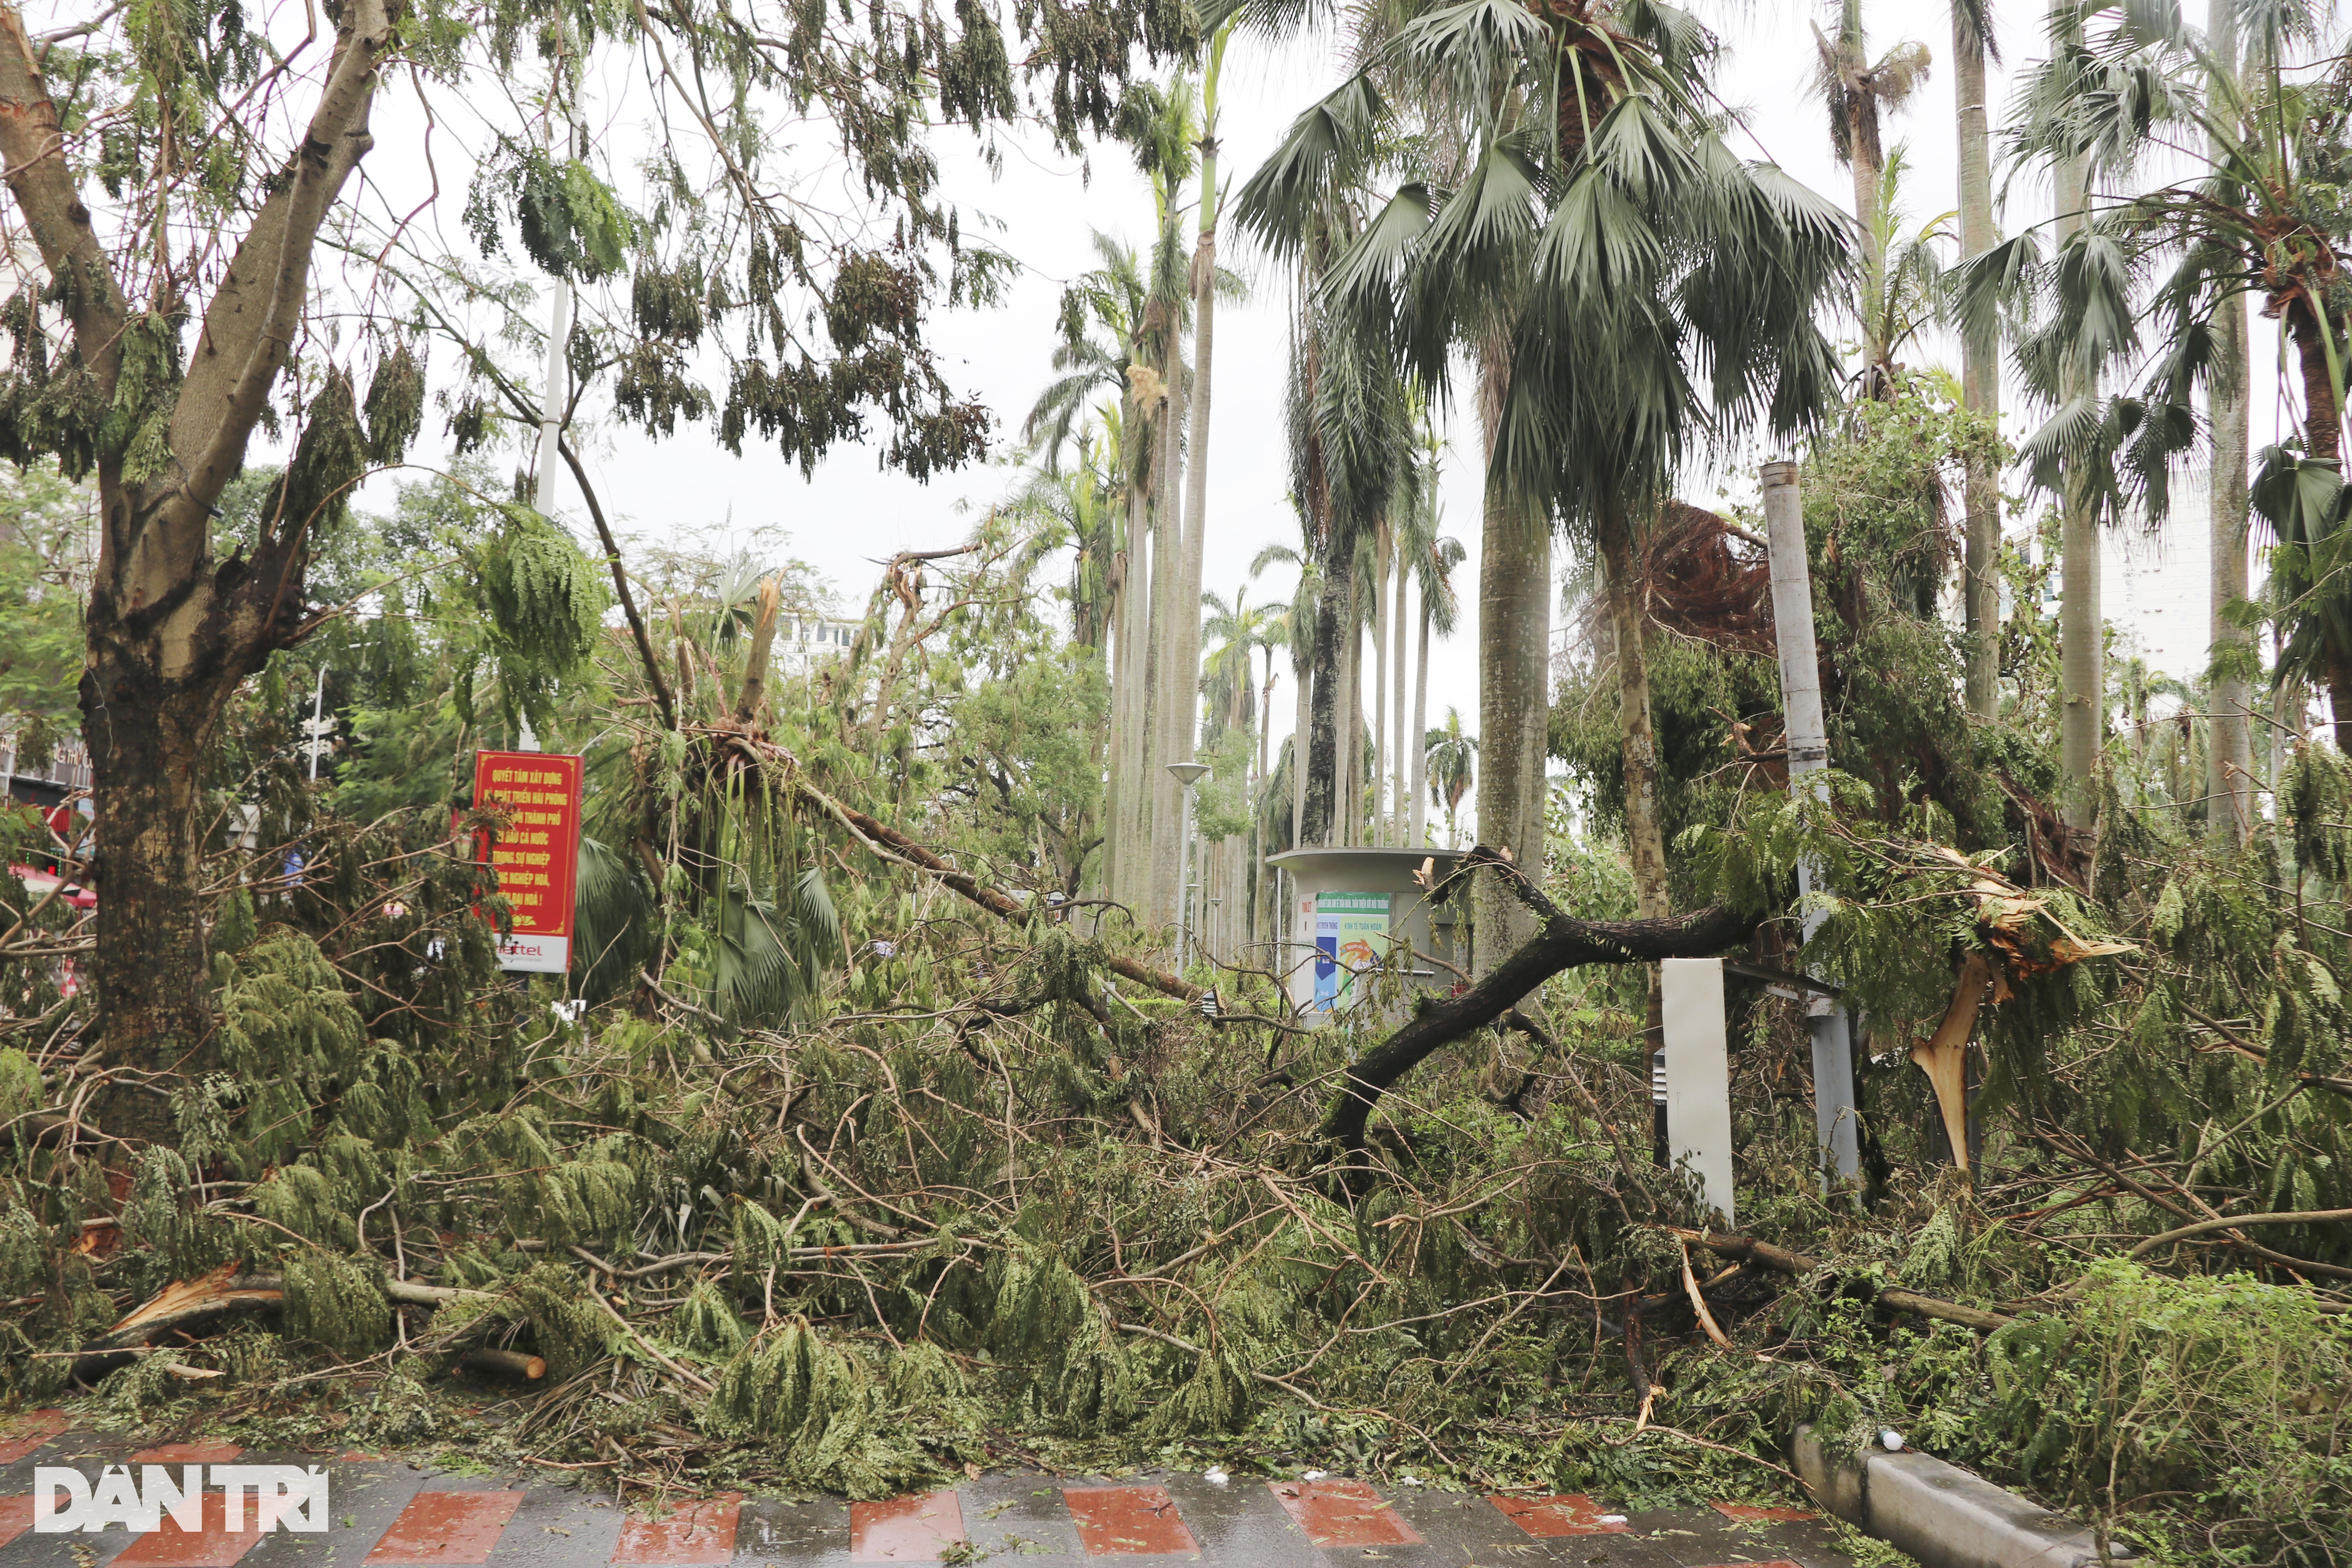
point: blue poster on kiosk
(1352, 935)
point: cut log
(512, 1364)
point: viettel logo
(285, 1496)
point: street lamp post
(1188, 774)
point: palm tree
(2252, 215)
(1642, 289)
(1434, 571)
(1106, 349)
(1298, 638)
(1451, 758)
(1185, 641)
(1972, 41)
(1856, 92)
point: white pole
(1808, 744)
(318, 723)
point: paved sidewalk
(395, 1513)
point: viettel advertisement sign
(537, 857)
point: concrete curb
(1940, 1513)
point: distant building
(802, 642)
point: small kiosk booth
(1351, 912)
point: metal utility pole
(1809, 755)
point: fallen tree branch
(1749, 1249)
(891, 845)
(2231, 1222)
(1562, 943)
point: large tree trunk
(2081, 652)
(1176, 689)
(1398, 768)
(1645, 833)
(1347, 796)
(1302, 729)
(1418, 832)
(1325, 713)
(2323, 439)
(1514, 710)
(170, 630)
(1192, 403)
(2229, 745)
(1980, 380)
(1379, 770)
(1129, 705)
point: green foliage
(336, 1302)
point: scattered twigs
(1749, 1249)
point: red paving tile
(1562, 1514)
(698, 1530)
(1744, 1513)
(31, 1430)
(1123, 1520)
(210, 1453)
(15, 1517)
(446, 1527)
(1343, 1513)
(921, 1529)
(212, 1545)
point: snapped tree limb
(1563, 942)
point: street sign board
(538, 856)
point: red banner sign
(538, 856)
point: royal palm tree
(2253, 215)
(1451, 759)
(1972, 42)
(1856, 91)
(1644, 291)
(1433, 577)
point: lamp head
(1189, 773)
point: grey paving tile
(1021, 1515)
(791, 1534)
(1240, 1523)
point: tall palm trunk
(1417, 834)
(1347, 800)
(1645, 834)
(1514, 707)
(1405, 738)
(1132, 825)
(2323, 440)
(1176, 692)
(2230, 751)
(1320, 813)
(1302, 729)
(2081, 635)
(1979, 378)
(1190, 400)
(1380, 691)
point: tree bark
(171, 631)
(1175, 692)
(2082, 652)
(1398, 767)
(1348, 786)
(1979, 379)
(1514, 710)
(1418, 834)
(1325, 712)
(1379, 769)
(1302, 731)
(1556, 942)
(1645, 833)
